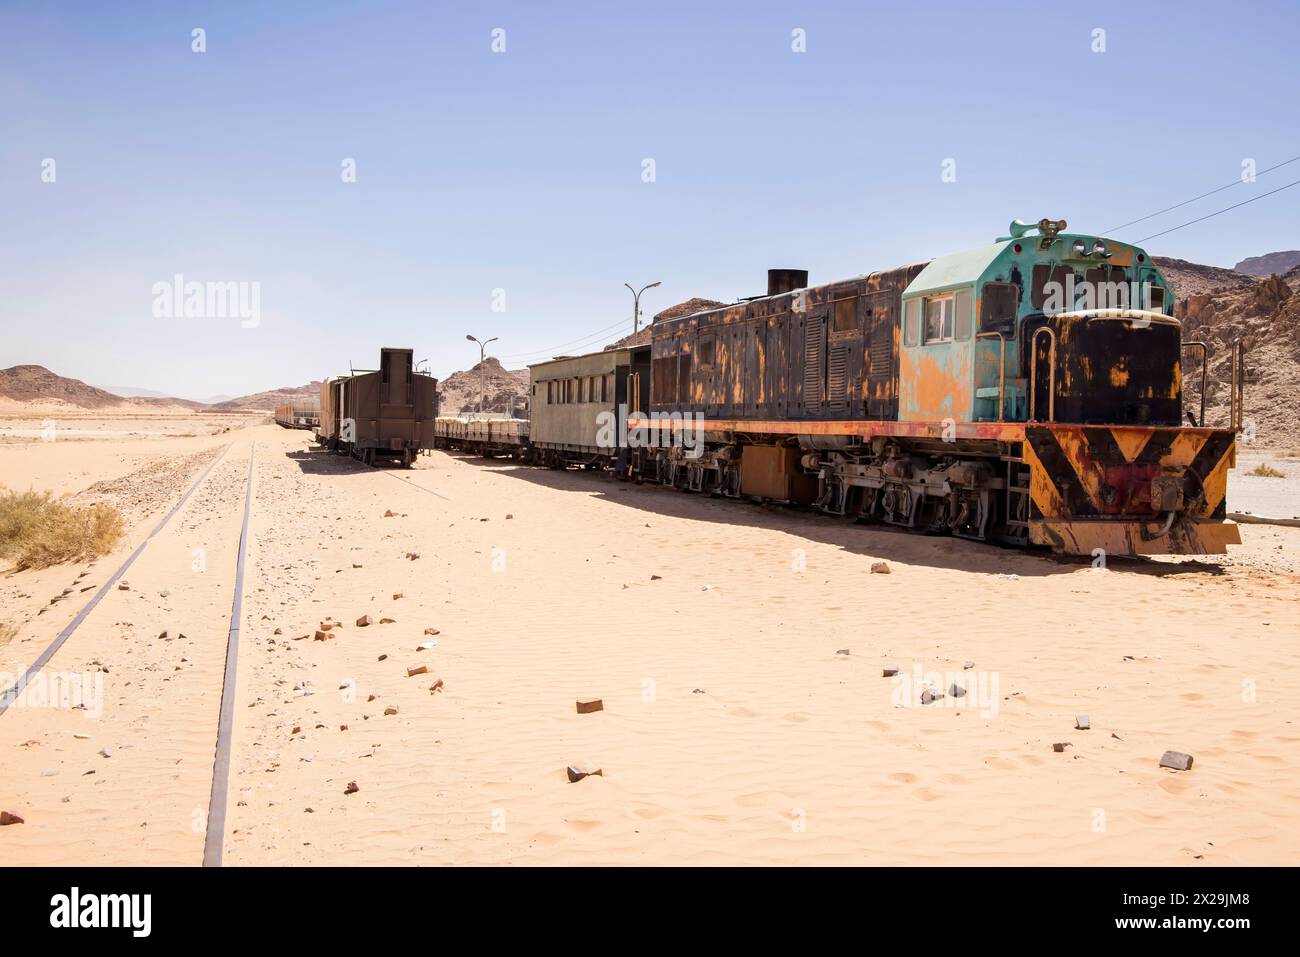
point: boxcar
(385, 413)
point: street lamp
(482, 372)
(636, 305)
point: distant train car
(579, 406)
(299, 414)
(387, 413)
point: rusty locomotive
(1028, 392)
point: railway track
(12, 693)
(216, 818)
(185, 724)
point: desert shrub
(1264, 470)
(36, 531)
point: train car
(579, 406)
(1006, 393)
(299, 414)
(487, 435)
(386, 413)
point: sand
(737, 650)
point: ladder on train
(1016, 505)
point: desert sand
(738, 652)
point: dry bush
(8, 631)
(36, 531)
(1264, 470)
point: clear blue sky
(523, 170)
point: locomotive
(385, 413)
(1028, 392)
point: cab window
(999, 304)
(938, 319)
(912, 322)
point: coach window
(938, 319)
(912, 322)
(961, 320)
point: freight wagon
(385, 413)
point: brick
(1081, 722)
(421, 670)
(1176, 760)
(588, 705)
(365, 620)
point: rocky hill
(461, 391)
(1266, 314)
(1193, 279)
(1270, 264)
(268, 400)
(36, 388)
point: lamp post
(636, 304)
(482, 372)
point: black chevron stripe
(1057, 465)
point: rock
(123, 586)
(842, 651)
(881, 568)
(389, 513)
(655, 578)
(576, 774)
(343, 727)
(396, 595)
(509, 516)
(419, 670)
(412, 555)
(390, 710)
(1176, 760)
(388, 621)
(929, 697)
(297, 729)
(105, 753)
(7, 818)
(956, 690)
(1081, 723)
(365, 620)
(356, 564)
(435, 687)
(889, 671)
(967, 665)
(432, 631)
(323, 636)
(162, 594)
(588, 705)
(277, 632)
(425, 645)
(1060, 746)
(383, 657)
(351, 788)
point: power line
(584, 340)
(1218, 212)
(1237, 182)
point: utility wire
(1109, 231)
(1217, 212)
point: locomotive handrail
(1051, 372)
(1205, 361)
(1002, 370)
(1142, 315)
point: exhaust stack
(786, 280)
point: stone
(889, 671)
(1176, 760)
(956, 690)
(576, 773)
(389, 513)
(425, 645)
(396, 595)
(435, 687)
(881, 568)
(388, 621)
(7, 818)
(432, 631)
(412, 555)
(842, 651)
(351, 788)
(967, 665)
(419, 670)
(929, 697)
(1081, 723)
(588, 705)
(390, 710)
(123, 586)
(383, 657)
(323, 636)
(365, 620)
(1060, 746)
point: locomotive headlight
(1099, 248)
(1079, 248)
